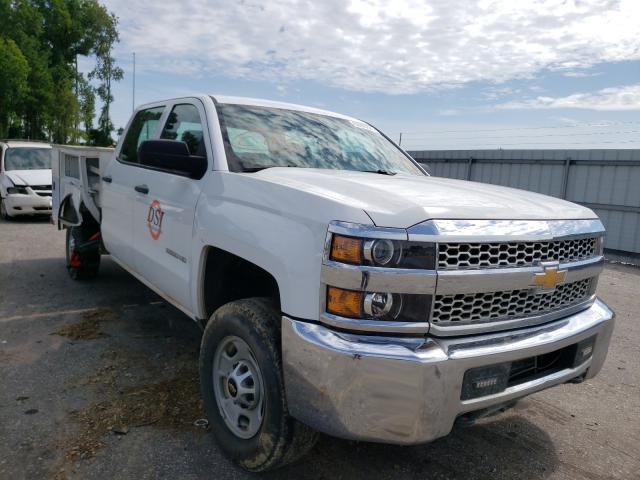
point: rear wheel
(243, 388)
(83, 262)
(3, 210)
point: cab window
(142, 128)
(184, 125)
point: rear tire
(250, 330)
(81, 265)
(3, 211)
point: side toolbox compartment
(76, 172)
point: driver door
(164, 208)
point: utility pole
(400, 140)
(133, 98)
(74, 137)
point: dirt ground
(99, 380)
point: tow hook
(579, 379)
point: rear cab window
(142, 128)
(185, 125)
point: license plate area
(493, 379)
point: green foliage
(106, 72)
(42, 94)
(87, 97)
(14, 72)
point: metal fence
(607, 181)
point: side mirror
(172, 156)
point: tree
(50, 98)
(87, 98)
(106, 72)
(14, 72)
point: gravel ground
(99, 380)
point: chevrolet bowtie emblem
(548, 279)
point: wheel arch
(68, 214)
(226, 277)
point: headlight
(378, 305)
(17, 190)
(365, 289)
(382, 252)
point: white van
(25, 178)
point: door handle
(142, 189)
(107, 178)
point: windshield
(27, 158)
(263, 137)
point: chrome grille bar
(454, 256)
(464, 309)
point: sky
(446, 74)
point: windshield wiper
(380, 172)
(264, 167)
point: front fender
(280, 229)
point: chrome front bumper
(407, 391)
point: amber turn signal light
(346, 249)
(346, 303)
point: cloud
(448, 112)
(579, 74)
(609, 99)
(403, 46)
(493, 93)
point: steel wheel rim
(238, 387)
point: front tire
(243, 387)
(82, 264)
(3, 211)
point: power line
(619, 132)
(498, 145)
(584, 125)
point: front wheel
(243, 388)
(82, 254)
(3, 211)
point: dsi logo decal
(154, 219)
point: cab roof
(258, 102)
(15, 143)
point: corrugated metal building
(608, 181)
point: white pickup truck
(340, 287)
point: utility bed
(76, 172)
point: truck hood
(401, 201)
(29, 177)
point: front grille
(453, 256)
(463, 309)
(40, 187)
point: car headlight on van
(17, 189)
